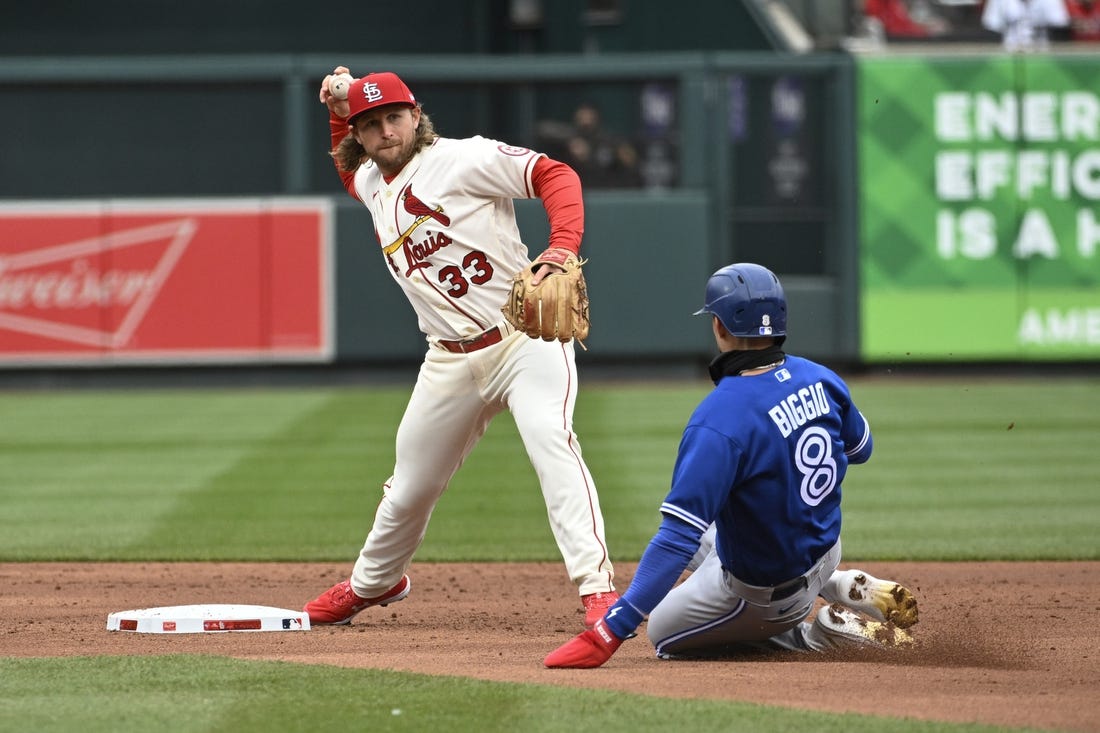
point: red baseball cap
(376, 90)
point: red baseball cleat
(339, 604)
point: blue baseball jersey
(763, 457)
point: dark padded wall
(113, 27)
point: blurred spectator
(1025, 25)
(1084, 20)
(601, 159)
(896, 21)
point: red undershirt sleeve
(338, 130)
(559, 187)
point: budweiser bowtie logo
(94, 291)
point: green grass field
(964, 469)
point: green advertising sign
(980, 208)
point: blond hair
(349, 154)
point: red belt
(465, 346)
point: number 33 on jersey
(447, 229)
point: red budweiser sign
(166, 281)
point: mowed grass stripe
(976, 469)
(304, 492)
(87, 475)
(189, 694)
(964, 469)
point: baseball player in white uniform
(443, 214)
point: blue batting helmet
(748, 300)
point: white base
(206, 618)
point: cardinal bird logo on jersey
(417, 251)
(418, 208)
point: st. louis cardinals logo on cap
(375, 90)
(371, 92)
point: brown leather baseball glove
(557, 307)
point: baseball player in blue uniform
(754, 508)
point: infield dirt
(1009, 644)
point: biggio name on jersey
(799, 407)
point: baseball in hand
(339, 85)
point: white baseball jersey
(1024, 24)
(446, 225)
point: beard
(392, 159)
